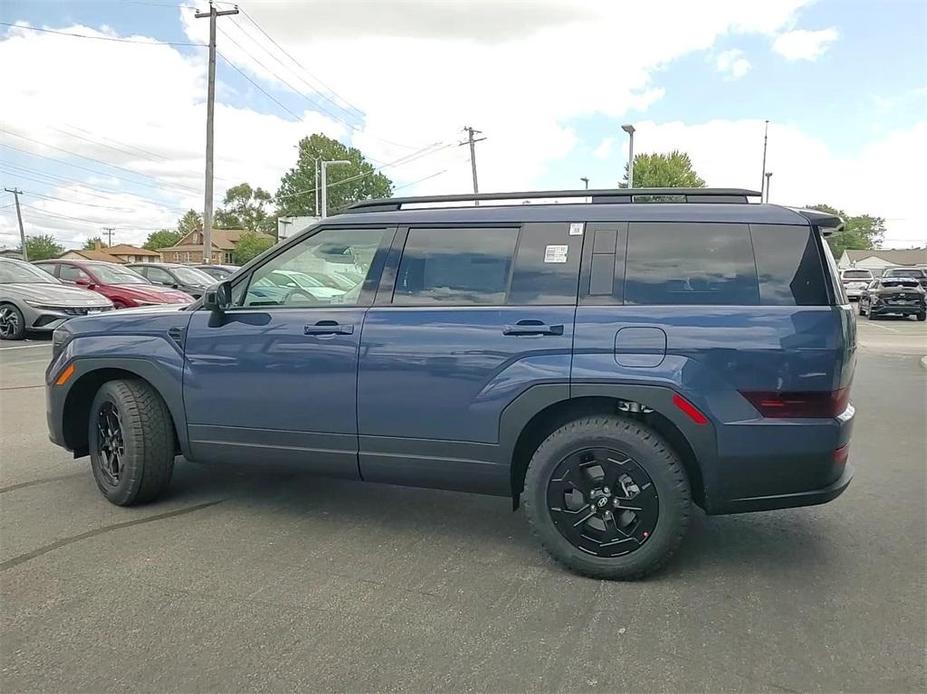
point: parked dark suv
(606, 364)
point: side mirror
(218, 297)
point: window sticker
(576, 229)
(555, 254)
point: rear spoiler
(827, 223)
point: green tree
(245, 207)
(190, 221)
(673, 170)
(347, 183)
(250, 244)
(861, 232)
(42, 247)
(162, 239)
(90, 244)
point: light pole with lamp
(629, 129)
(585, 179)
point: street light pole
(768, 176)
(585, 180)
(325, 165)
(629, 129)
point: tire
(647, 456)
(118, 305)
(871, 315)
(145, 430)
(12, 323)
(860, 309)
(922, 316)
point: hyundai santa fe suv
(605, 363)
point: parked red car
(122, 286)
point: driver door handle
(532, 327)
(328, 327)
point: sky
(105, 127)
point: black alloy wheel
(603, 502)
(110, 444)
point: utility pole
(109, 235)
(629, 129)
(585, 179)
(765, 179)
(317, 186)
(210, 114)
(19, 216)
(325, 165)
(767, 176)
(472, 142)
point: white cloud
(418, 69)
(805, 171)
(604, 149)
(732, 64)
(802, 44)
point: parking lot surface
(249, 579)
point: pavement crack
(58, 544)
(31, 483)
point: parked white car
(855, 281)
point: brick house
(190, 247)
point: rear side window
(690, 264)
(789, 266)
(546, 265)
(455, 266)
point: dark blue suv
(606, 359)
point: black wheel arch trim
(700, 438)
(167, 385)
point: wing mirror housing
(218, 297)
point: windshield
(15, 272)
(190, 275)
(857, 275)
(113, 274)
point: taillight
(799, 404)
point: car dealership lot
(249, 579)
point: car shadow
(773, 543)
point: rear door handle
(328, 327)
(532, 327)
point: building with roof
(879, 259)
(120, 253)
(190, 248)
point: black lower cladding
(603, 502)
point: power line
(103, 38)
(259, 87)
(79, 204)
(86, 221)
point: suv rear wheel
(131, 442)
(607, 497)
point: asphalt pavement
(243, 579)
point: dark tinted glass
(789, 266)
(687, 263)
(546, 265)
(455, 266)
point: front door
(273, 379)
(473, 318)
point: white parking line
(884, 327)
(44, 344)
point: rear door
(466, 319)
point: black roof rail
(599, 196)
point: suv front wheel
(607, 497)
(131, 442)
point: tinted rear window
(857, 275)
(905, 272)
(788, 266)
(690, 264)
(546, 265)
(455, 266)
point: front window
(18, 272)
(113, 274)
(298, 276)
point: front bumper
(40, 318)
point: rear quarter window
(789, 266)
(685, 263)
